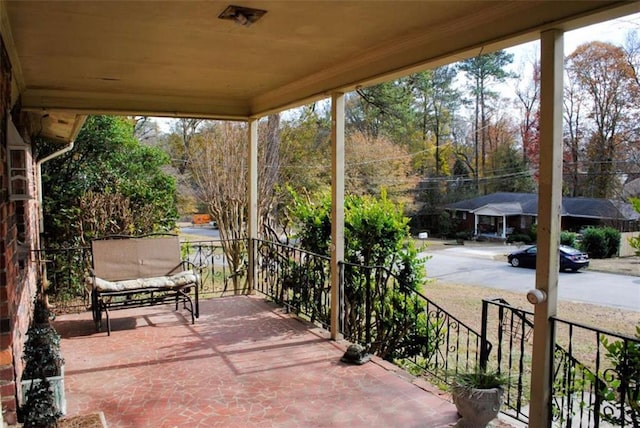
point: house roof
(505, 208)
(504, 203)
(176, 58)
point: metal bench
(130, 272)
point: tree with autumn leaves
(428, 139)
(603, 100)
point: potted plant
(478, 396)
(43, 401)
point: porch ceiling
(176, 58)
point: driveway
(486, 266)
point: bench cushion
(171, 282)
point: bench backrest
(132, 258)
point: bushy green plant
(635, 240)
(384, 266)
(42, 352)
(600, 243)
(612, 239)
(533, 233)
(464, 235)
(109, 183)
(568, 238)
(594, 243)
(519, 237)
(478, 379)
(42, 359)
(39, 410)
(621, 384)
(41, 313)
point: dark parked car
(570, 258)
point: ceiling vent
(242, 15)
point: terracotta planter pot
(477, 407)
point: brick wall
(18, 270)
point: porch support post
(549, 210)
(504, 226)
(337, 209)
(475, 224)
(252, 209)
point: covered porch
(246, 362)
(64, 60)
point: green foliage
(39, 410)
(305, 141)
(621, 384)
(464, 235)
(600, 243)
(533, 232)
(108, 184)
(507, 158)
(568, 238)
(612, 238)
(384, 269)
(314, 221)
(375, 228)
(478, 379)
(635, 240)
(519, 237)
(445, 224)
(487, 67)
(383, 110)
(594, 243)
(42, 359)
(41, 353)
(106, 160)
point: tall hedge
(600, 242)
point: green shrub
(601, 243)
(612, 237)
(39, 410)
(533, 232)
(519, 237)
(621, 383)
(568, 238)
(464, 235)
(376, 234)
(594, 243)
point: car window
(532, 250)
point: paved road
(205, 231)
(475, 267)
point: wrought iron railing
(296, 279)
(66, 270)
(596, 377)
(595, 372)
(219, 275)
(510, 330)
(396, 322)
(379, 310)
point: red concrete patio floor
(244, 363)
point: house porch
(245, 362)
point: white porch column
(252, 191)
(549, 209)
(475, 224)
(504, 226)
(337, 208)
